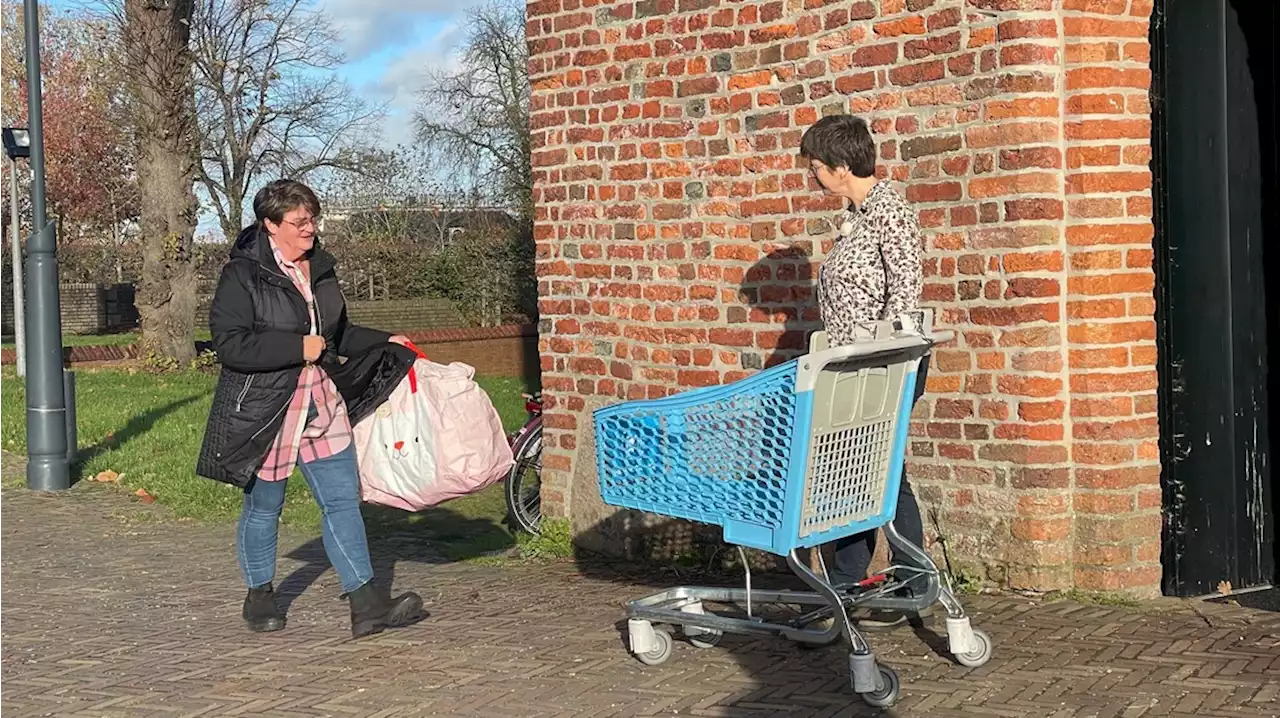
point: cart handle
(813, 364)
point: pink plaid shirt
(330, 432)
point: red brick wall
(1110, 306)
(678, 235)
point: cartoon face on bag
(437, 437)
(400, 449)
(398, 432)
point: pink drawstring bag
(437, 437)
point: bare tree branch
(477, 117)
(268, 100)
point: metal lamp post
(17, 143)
(50, 433)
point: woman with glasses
(872, 273)
(284, 400)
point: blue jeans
(335, 482)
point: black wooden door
(1218, 288)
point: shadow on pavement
(781, 670)
(436, 536)
(137, 425)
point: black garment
(854, 553)
(258, 319)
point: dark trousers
(853, 553)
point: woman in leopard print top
(872, 273)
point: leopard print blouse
(873, 272)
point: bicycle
(524, 481)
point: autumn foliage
(91, 181)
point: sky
(390, 46)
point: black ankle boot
(261, 613)
(373, 610)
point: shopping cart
(793, 457)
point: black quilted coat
(258, 319)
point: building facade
(678, 234)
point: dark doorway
(1216, 162)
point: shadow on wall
(782, 287)
(778, 289)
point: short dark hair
(841, 141)
(281, 196)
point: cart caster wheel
(889, 686)
(981, 652)
(661, 651)
(711, 639)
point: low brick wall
(510, 350)
(82, 355)
(404, 315)
(495, 351)
(83, 308)
(390, 315)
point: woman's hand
(403, 341)
(312, 347)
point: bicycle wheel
(524, 482)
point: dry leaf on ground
(146, 497)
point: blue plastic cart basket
(793, 457)
(798, 455)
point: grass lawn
(86, 340)
(148, 427)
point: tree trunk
(160, 65)
(233, 220)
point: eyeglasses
(301, 225)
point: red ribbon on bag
(413, 375)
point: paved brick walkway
(108, 613)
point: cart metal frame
(909, 587)
(876, 683)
